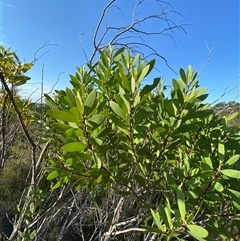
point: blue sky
(27, 25)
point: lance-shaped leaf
(61, 127)
(232, 160)
(116, 108)
(74, 146)
(71, 96)
(181, 203)
(63, 115)
(54, 174)
(90, 103)
(231, 173)
(148, 88)
(157, 221)
(96, 121)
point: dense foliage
(172, 155)
(125, 161)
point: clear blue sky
(27, 25)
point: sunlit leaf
(218, 186)
(54, 174)
(231, 173)
(74, 146)
(232, 160)
(197, 231)
(63, 115)
(115, 107)
(181, 203)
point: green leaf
(163, 216)
(150, 229)
(148, 88)
(198, 114)
(183, 75)
(140, 180)
(63, 115)
(90, 103)
(221, 151)
(99, 180)
(175, 84)
(123, 77)
(232, 116)
(168, 212)
(197, 231)
(61, 127)
(54, 174)
(97, 160)
(116, 108)
(218, 186)
(70, 96)
(74, 146)
(232, 160)
(156, 218)
(181, 203)
(117, 55)
(180, 96)
(60, 183)
(96, 120)
(144, 73)
(49, 101)
(231, 173)
(168, 105)
(133, 85)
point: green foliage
(115, 132)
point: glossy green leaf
(99, 180)
(218, 186)
(90, 103)
(181, 203)
(133, 85)
(150, 229)
(61, 127)
(73, 133)
(117, 55)
(97, 160)
(70, 96)
(198, 114)
(175, 84)
(74, 146)
(232, 160)
(60, 183)
(148, 88)
(157, 221)
(163, 216)
(63, 115)
(183, 75)
(231, 173)
(54, 174)
(49, 101)
(96, 120)
(144, 73)
(232, 116)
(197, 231)
(168, 105)
(116, 108)
(221, 151)
(168, 212)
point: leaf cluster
(116, 133)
